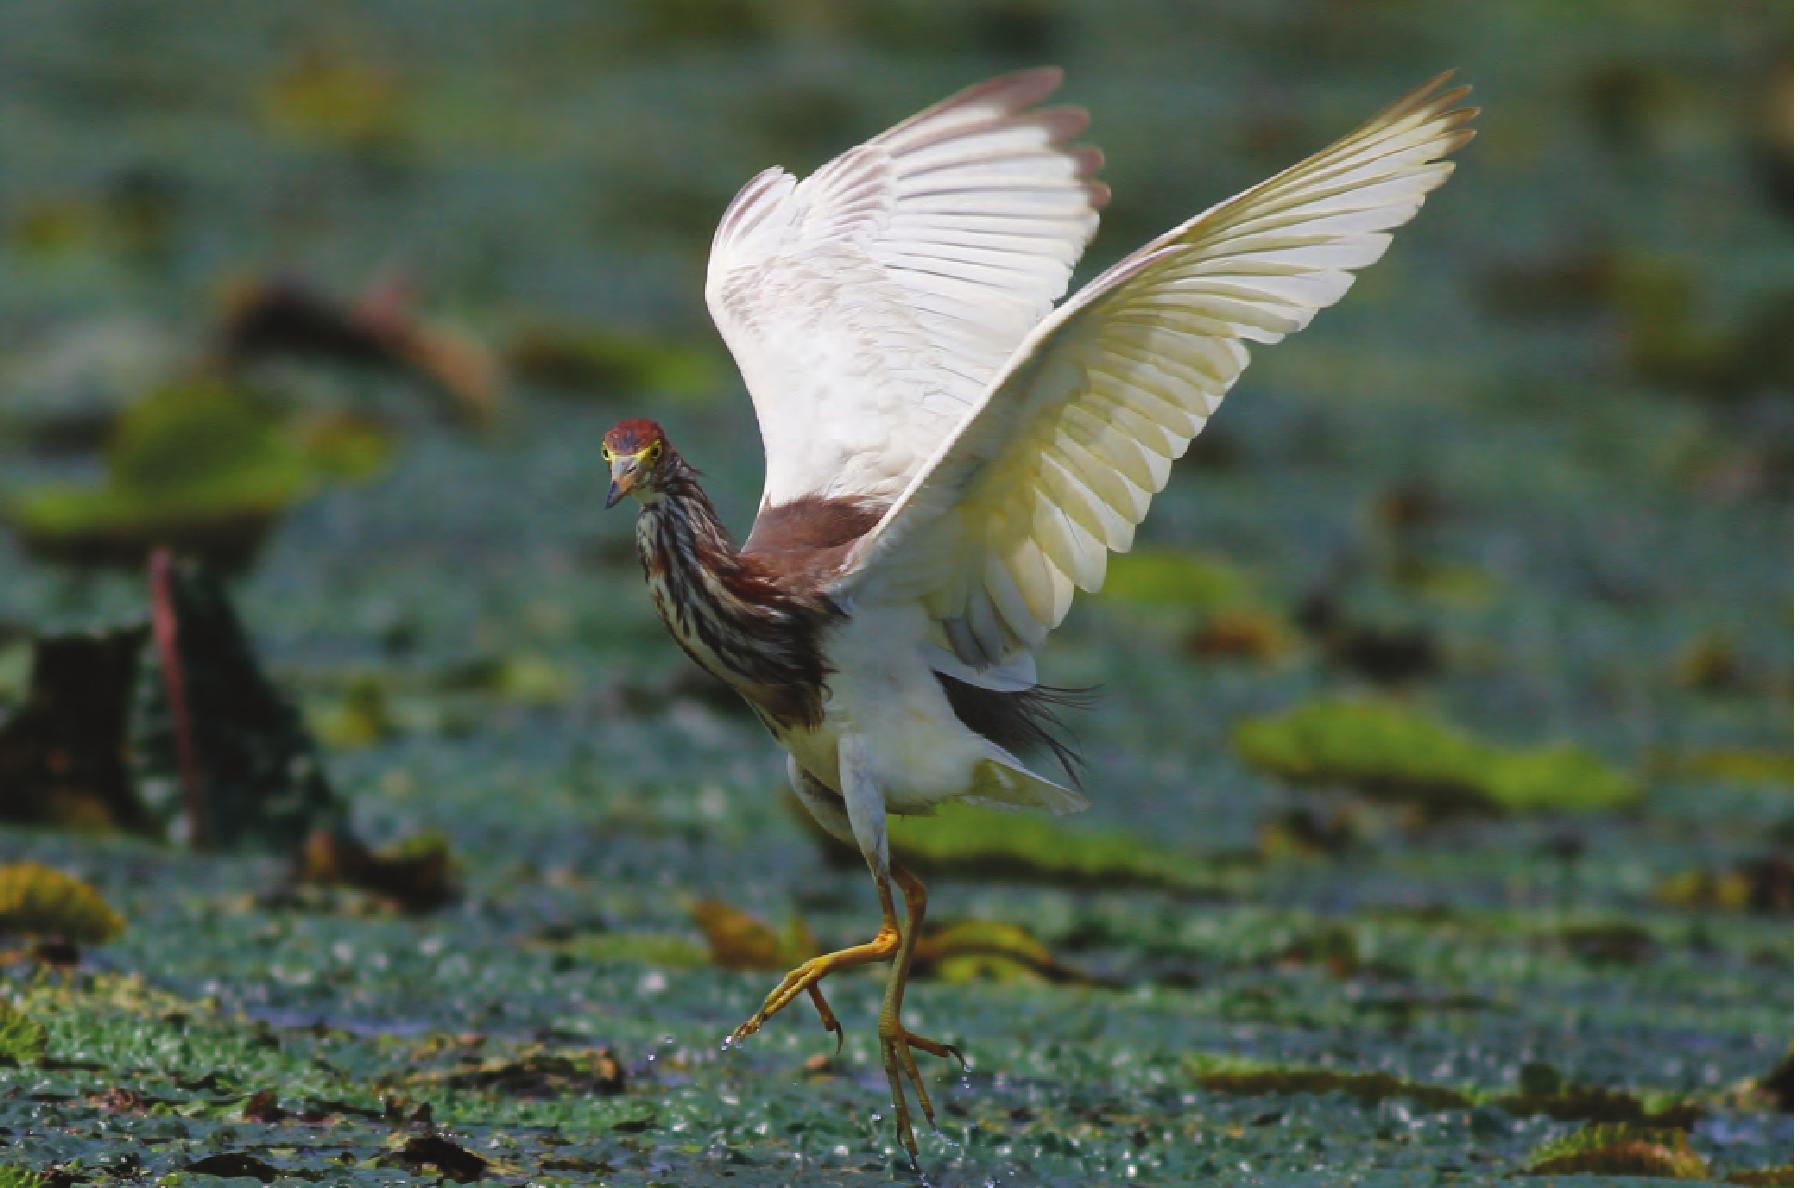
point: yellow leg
(897, 1043)
(806, 977)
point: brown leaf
(120, 1099)
(263, 1107)
(435, 1151)
(415, 875)
(235, 1164)
(1255, 635)
(971, 949)
(1619, 1150)
(535, 1073)
(738, 940)
(287, 317)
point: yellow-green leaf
(22, 1038)
(37, 900)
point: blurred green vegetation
(1389, 751)
(37, 900)
(1620, 1150)
(202, 468)
(1534, 473)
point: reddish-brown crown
(633, 436)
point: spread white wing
(1056, 469)
(870, 306)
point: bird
(950, 454)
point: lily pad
(1193, 582)
(1733, 766)
(1391, 752)
(1253, 1079)
(1542, 1092)
(201, 468)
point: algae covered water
(1442, 753)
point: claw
(937, 1048)
(826, 1019)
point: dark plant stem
(166, 630)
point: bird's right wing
(870, 305)
(1056, 468)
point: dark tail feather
(1023, 722)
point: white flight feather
(871, 305)
(1054, 466)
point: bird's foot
(806, 977)
(897, 1044)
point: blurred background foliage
(1454, 669)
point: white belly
(882, 691)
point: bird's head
(640, 458)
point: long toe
(805, 979)
(897, 1044)
(827, 1019)
(896, 1054)
(936, 1048)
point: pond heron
(951, 455)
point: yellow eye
(653, 453)
(606, 454)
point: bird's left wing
(1057, 466)
(870, 305)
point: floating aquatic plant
(1619, 1149)
(22, 1038)
(1390, 751)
